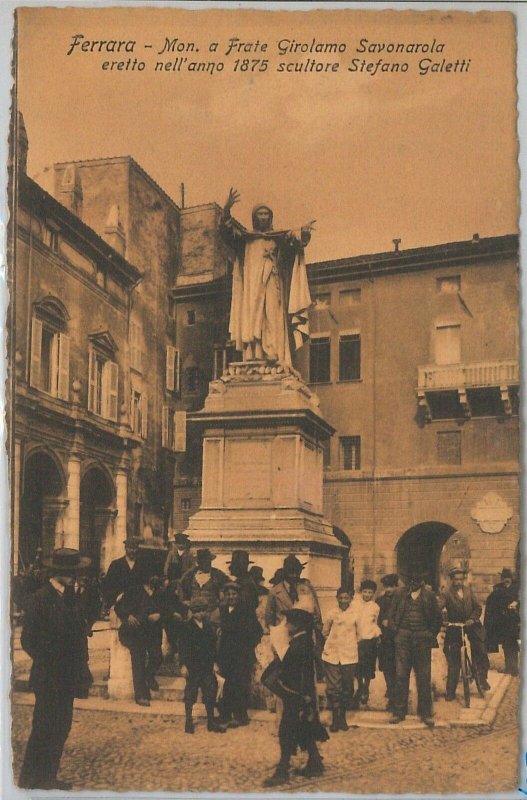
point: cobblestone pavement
(119, 752)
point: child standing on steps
(369, 632)
(198, 657)
(340, 658)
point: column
(120, 685)
(72, 521)
(15, 521)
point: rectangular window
(449, 285)
(138, 412)
(326, 452)
(136, 351)
(222, 358)
(103, 386)
(51, 238)
(319, 359)
(191, 316)
(350, 297)
(448, 447)
(172, 369)
(192, 379)
(448, 343)
(350, 452)
(349, 357)
(50, 356)
(167, 428)
(185, 504)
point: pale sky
(427, 159)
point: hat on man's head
(240, 558)
(181, 538)
(199, 603)
(292, 564)
(392, 579)
(66, 559)
(256, 574)
(506, 573)
(278, 577)
(204, 554)
(133, 541)
(300, 618)
(456, 571)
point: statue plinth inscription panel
(247, 471)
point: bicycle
(468, 673)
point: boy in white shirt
(340, 657)
(367, 611)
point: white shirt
(202, 578)
(367, 617)
(341, 632)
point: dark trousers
(204, 680)
(511, 651)
(413, 651)
(480, 659)
(288, 735)
(52, 718)
(340, 683)
(146, 659)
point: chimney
(113, 230)
(396, 243)
(475, 238)
(70, 190)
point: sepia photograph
(263, 439)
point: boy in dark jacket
(239, 633)
(502, 621)
(198, 657)
(387, 642)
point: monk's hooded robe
(270, 291)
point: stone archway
(42, 506)
(97, 496)
(423, 547)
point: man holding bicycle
(461, 607)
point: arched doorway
(41, 506)
(346, 563)
(97, 495)
(422, 548)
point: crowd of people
(214, 624)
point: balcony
(479, 389)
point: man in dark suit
(460, 605)
(415, 619)
(203, 580)
(502, 620)
(141, 632)
(239, 568)
(387, 643)
(181, 557)
(54, 635)
(123, 572)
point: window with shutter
(349, 357)
(170, 378)
(448, 343)
(319, 359)
(111, 371)
(63, 366)
(36, 353)
(144, 420)
(164, 426)
(92, 380)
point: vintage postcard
(263, 401)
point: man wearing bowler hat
(292, 591)
(239, 569)
(54, 635)
(502, 620)
(123, 573)
(203, 580)
(181, 557)
(460, 605)
(415, 619)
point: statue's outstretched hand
(234, 197)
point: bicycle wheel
(465, 672)
(477, 682)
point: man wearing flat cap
(502, 620)
(54, 636)
(123, 572)
(460, 605)
(181, 557)
(415, 619)
(203, 580)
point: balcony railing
(477, 375)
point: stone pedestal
(120, 684)
(262, 474)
